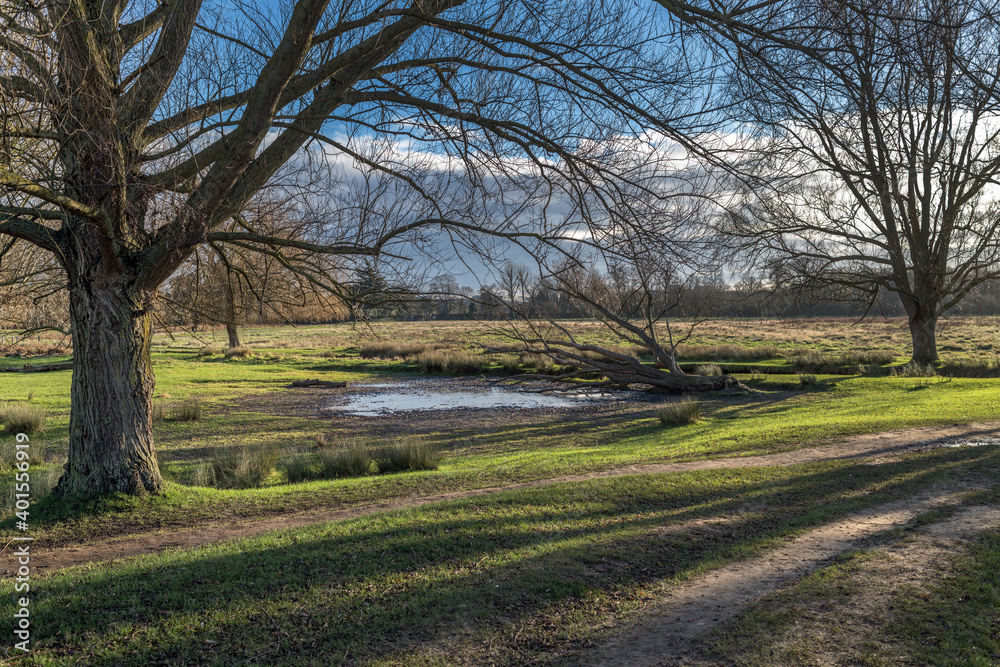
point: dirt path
(880, 446)
(668, 635)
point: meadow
(540, 573)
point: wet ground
(419, 395)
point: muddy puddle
(373, 399)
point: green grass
(957, 622)
(528, 574)
(473, 456)
(532, 574)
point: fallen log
(322, 384)
(29, 368)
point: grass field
(533, 575)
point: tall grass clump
(539, 363)
(509, 365)
(188, 411)
(708, 370)
(451, 362)
(21, 418)
(299, 468)
(680, 412)
(913, 369)
(238, 352)
(8, 454)
(393, 350)
(209, 350)
(348, 460)
(808, 381)
(42, 483)
(242, 467)
(971, 368)
(816, 361)
(726, 352)
(406, 454)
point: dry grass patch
(238, 352)
(727, 352)
(22, 418)
(452, 362)
(394, 350)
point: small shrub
(238, 352)
(209, 350)
(21, 418)
(242, 467)
(299, 468)
(406, 454)
(188, 411)
(350, 460)
(709, 370)
(680, 412)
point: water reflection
(380, 403)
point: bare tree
(634, 299)
(871, 147)
(135, 130)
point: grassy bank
(535, 575)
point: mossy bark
(110, 433)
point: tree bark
(923, 331)
(110, 433)
(234, 334)
(231, 330)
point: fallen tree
(618, 369)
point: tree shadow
(391, 585)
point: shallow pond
(387, 399)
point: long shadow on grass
(388, 585)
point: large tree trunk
(233, 333)
(231, 330)
(923, 331)
(110, 433)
